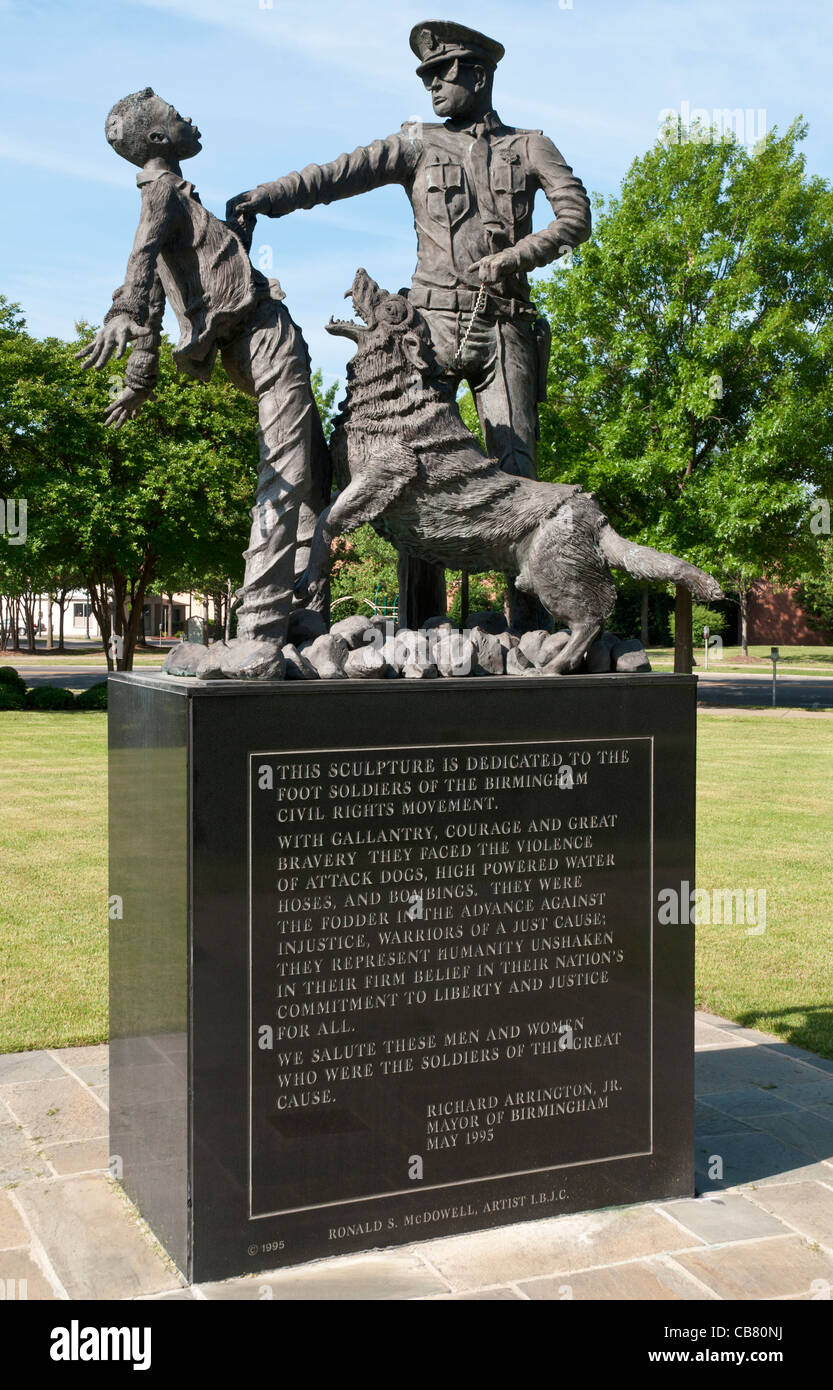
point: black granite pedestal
(386, 957)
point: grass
(793, 661)
(53, 906)
(764, 814)
(764, 822)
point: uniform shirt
(472, 189)
(182, 252)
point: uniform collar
(487, 124)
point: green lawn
(792, 661)
(53, 901)
(764, 821)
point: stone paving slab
(806, 1206)
(804, 1129)
(755, 1157)
(394, 1275)
(750, 1066)
(707, 1120)
(57, 1108)
(92, 1239)
(13, 1233)
(28, 1066)
(20, 1159)
(655, 1279)
(751, 1101)
(76, 1057)
(764, 1230)
(79, 1155)
(559, 1246)
(22, 1278)
(771, 1268)
(724, 1218)
(505, 1294)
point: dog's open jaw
(366, 295)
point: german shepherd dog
(405, 462)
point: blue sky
(273, 88)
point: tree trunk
(643, 616)
(683, 651)
(100, 604)
(62, 603)
(743, 616)
(29, 619)
(49, 646)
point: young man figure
(201, 265)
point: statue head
(142, 127)
(457, 66)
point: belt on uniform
(463, 300)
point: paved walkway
(764, 1230)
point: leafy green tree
(126, 510)
(325, 400)
(689, 384)
(815, 590)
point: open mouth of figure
(366, 295)
(345, 328)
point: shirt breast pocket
(447, 197)
(509, 178)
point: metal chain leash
(480, 304)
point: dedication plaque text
(451, 954)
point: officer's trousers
(500, 365)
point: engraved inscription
(450, 959)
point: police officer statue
(471, 181)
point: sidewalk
(764, 1230)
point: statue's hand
(112, 337)
(127, 404)
(493, 268)
(247, 204)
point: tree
(127, 509)
(689, 382)
(815, 591)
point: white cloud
(58, 162)
(359, 38)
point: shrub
(11, 697)
(10, 678)
(49, 697)
(701, 617)
(94, 698)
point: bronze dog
(405, 462)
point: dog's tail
(645, 563)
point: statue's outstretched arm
(392, 160)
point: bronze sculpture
(184, 254)
(471, 181)
(419, 476)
